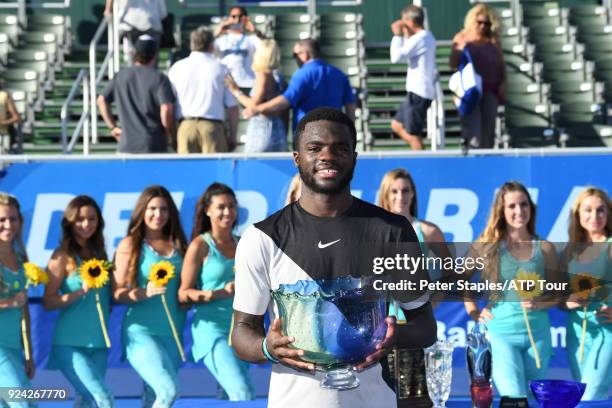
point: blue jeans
(12, 374)
(514, 363)
(156, 359)
(265, 134)
(85, 368)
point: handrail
(95, 77)
(57, 5)
(297, 3)
(68, 146)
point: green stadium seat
(9, 24)
(334, 18)
(341, 31)
(52, 23)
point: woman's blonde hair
(576, 231)
(295, 188)
(267, 57)
(470, 23)
(385, 187)
(11, 201)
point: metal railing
(308, 4)
(83, 124)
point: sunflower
(35, 274)
(527, 291)
(161, 273)
(584, 285)
(94, 272)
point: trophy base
(340, 379)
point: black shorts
(412, 113)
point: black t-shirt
(139, 91)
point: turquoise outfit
(211, 327)
(79, 350)
(596, 367)
(147, 336)
(12, 369)
(514, 361)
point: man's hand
(397, 27)
(116, 133)
(277, 346)
(249, 27)
(383, 348)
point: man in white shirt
(414, 45)
(204, 103)
(235, 44)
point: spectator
(480, 36)
(203, 101)
(315, 84)
(414, 45)
(265, 133)
(145, 104)
(236, 42)
(8, 117)
(137, 17)
(207, 280)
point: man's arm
(166, 113)
(107, 116)
(231, 114)
(247, 335)
(274, 105)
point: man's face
(409, 23)
(300, 55)
(325, 158)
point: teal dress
(510, 346)
(212, 324)
(12, 369)
(596, 367)
(79, 350)
(148, 341)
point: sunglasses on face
(236, 15)
(484, 22)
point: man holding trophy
(308, 265)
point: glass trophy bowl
(557, 393)
(337, 323)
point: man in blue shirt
(315, 84)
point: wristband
(266, 353)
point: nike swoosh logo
(321, 246)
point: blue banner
(455, 193)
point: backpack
(466, 85)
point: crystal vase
(438, 370)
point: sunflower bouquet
(35, 276)
(95, 274)
(528, 289)
(160, 274)
(584, 286)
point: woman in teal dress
(511, 247)
(397, 194)
(15, 370)
(79, 350)
(589, 257)
(154, 235)
(207, 280)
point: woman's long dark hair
(201, 222)
(68, 242)
(136, 228)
